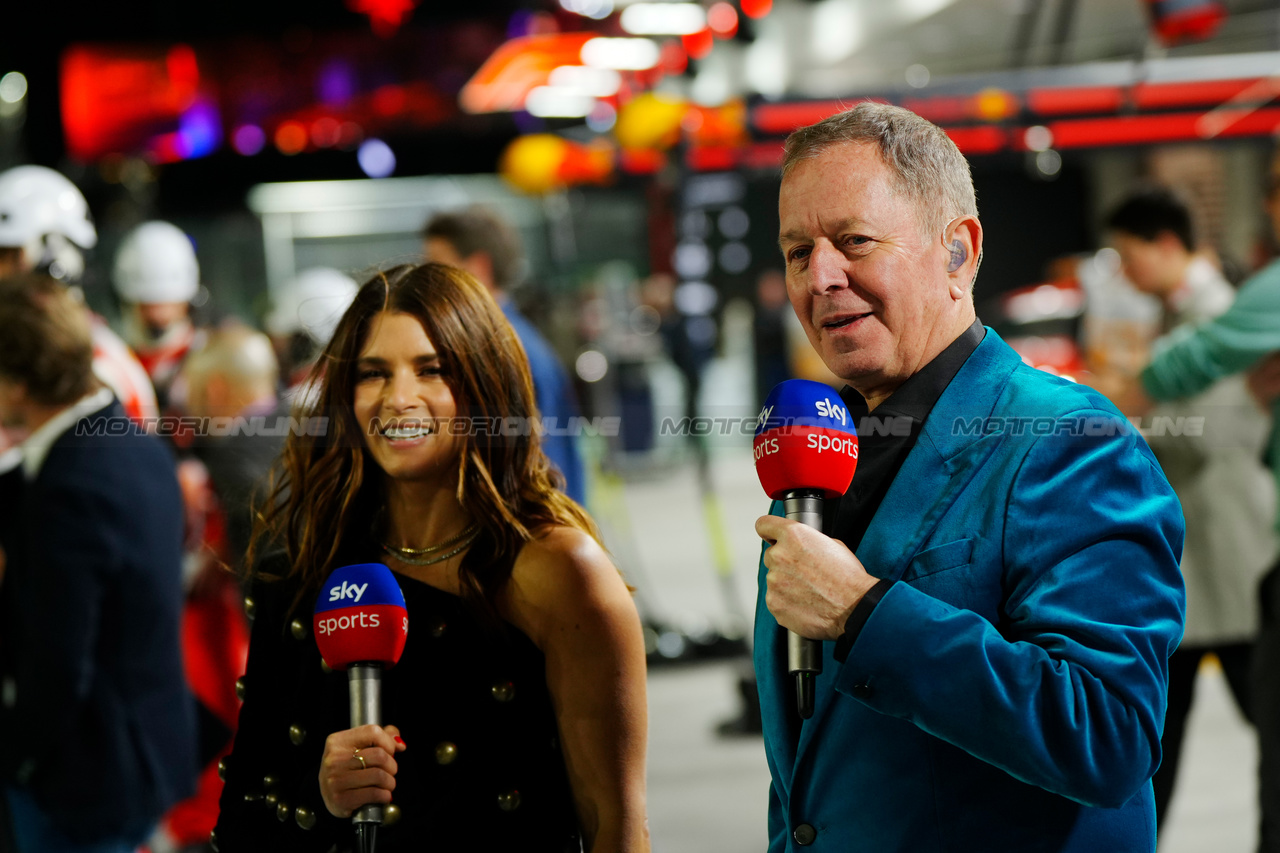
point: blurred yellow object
(995, 104)
(650, 121)
(542, 162)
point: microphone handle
(804, 656)
(364, 692)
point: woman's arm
(569, 598)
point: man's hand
(814, 581)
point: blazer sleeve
(1187, 361)
(1066, 690)
(74, 548)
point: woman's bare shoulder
(562, 577)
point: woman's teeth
(406, 432)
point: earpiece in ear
(958, 256)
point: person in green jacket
(1187, 361)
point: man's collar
(916, 397)
(36, 447)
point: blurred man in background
(231, 383)
(1188, 363)
(477, 240)
(304, 312)
(99, 719)
(1228, 495)
(156, 276)
(45, 226)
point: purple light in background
(335, 84)
(520, 23)
(248, 139)
(199, 130)
(526, 123)
(376, 158)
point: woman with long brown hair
(517, 711)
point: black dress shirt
(885, 437)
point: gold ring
(356, 755)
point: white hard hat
(156, 263)
(312, 302)
(36, 201)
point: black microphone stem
(364, 691)
(804, 656)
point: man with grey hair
(997, 593)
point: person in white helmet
(303, 315)
(45, 225)
(156, 276)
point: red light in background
(641, 161)
(325, 132)
(699, 44)
(111, 96)
(756, 8)
(1186, 20)
(385, 16)
(723, 19)
(388, 100)
(672, 59)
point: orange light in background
(517, 67)
(698, 45)
(717, 127)
(994, 105)
(722, 18)
(756, 8)
(111, 96)
(291, 137)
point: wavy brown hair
(326, 490)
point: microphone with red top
(360, 625)
(806, 450)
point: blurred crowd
(221, 394)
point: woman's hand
(359, 768)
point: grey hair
(927, 166)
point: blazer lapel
(932, 478)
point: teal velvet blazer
(1008, 692)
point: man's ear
(962, 240)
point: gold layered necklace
(434, 553)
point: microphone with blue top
(806, 450)
(361, 625)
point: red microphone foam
(360, 617)
(805, 440)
